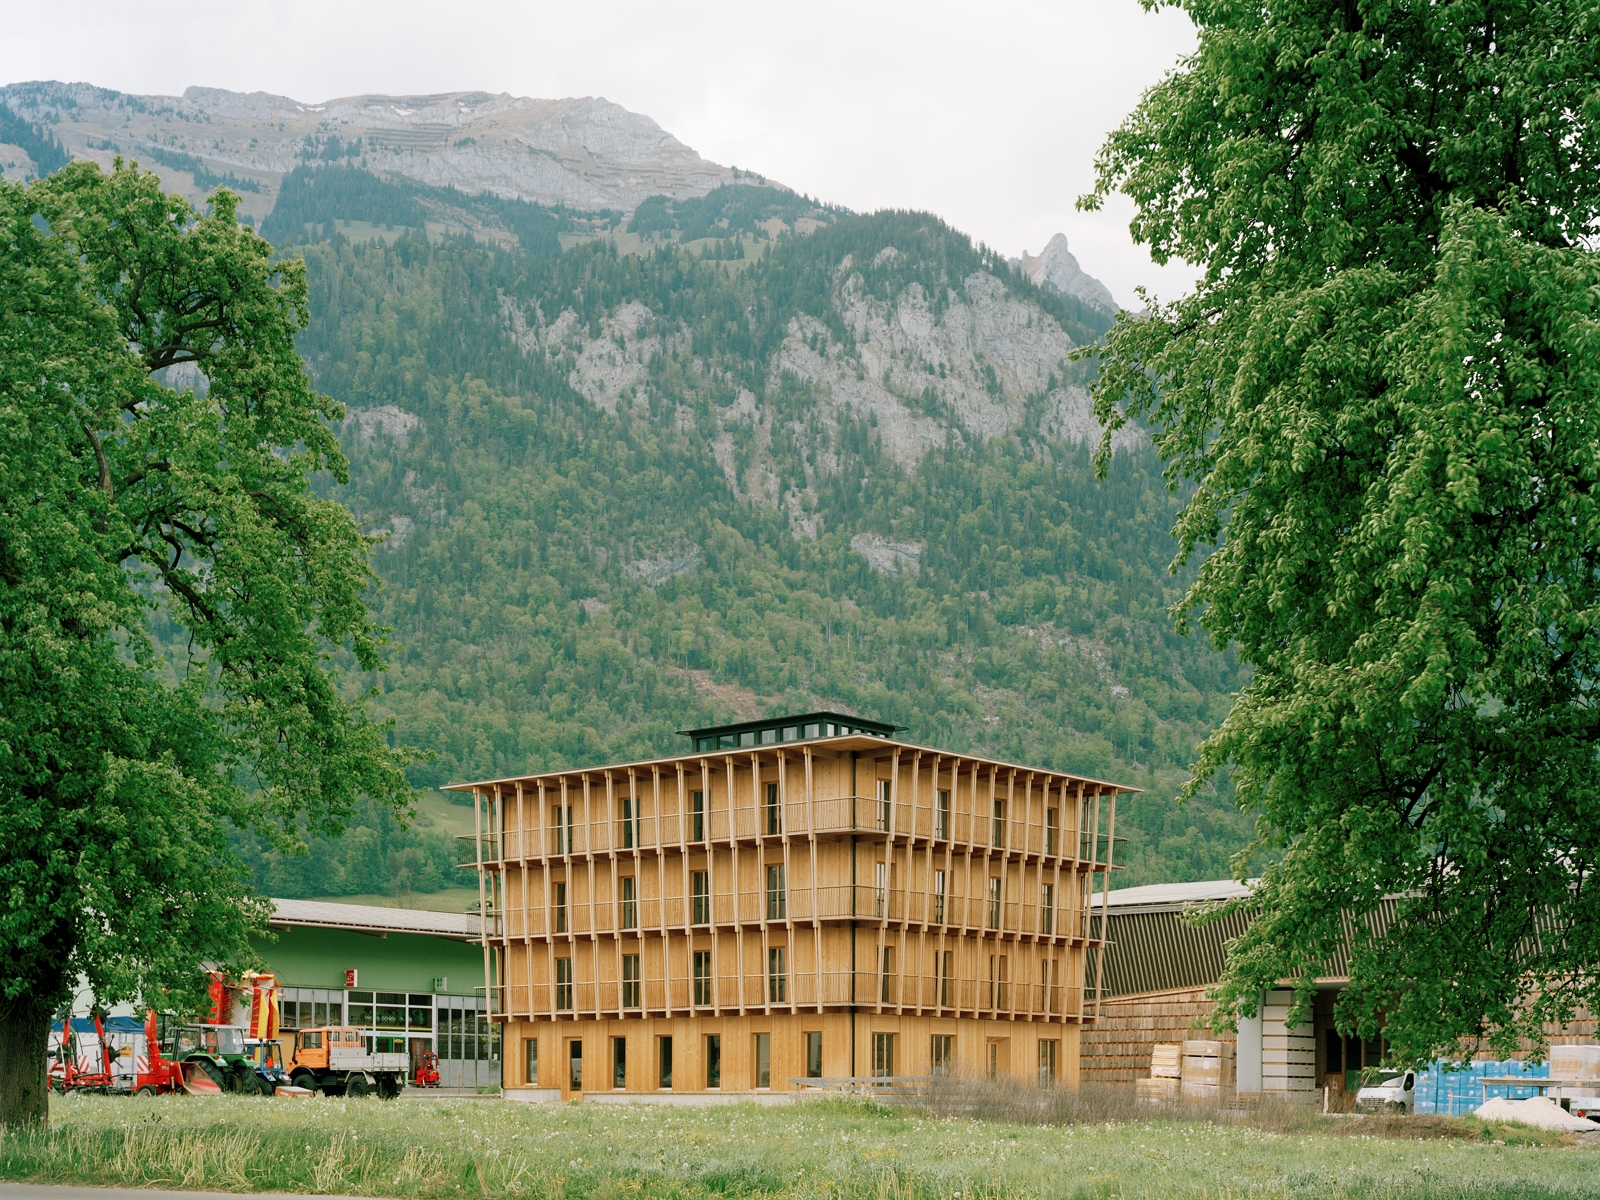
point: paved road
(50, 1191)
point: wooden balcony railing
(798, 989)
(801, 906)
(865, 816)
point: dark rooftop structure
(774, 730)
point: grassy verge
(824, 1150)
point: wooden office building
(793, 899)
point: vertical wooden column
(1105, 904)
(527, 908)
(811, 847)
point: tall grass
(821, 1150)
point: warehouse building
(391, 972)
(1158, 965)
(790, 902)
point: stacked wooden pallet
(1117, 1048)
(1166, 1072)
(1208, 1069)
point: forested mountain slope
(629, 493)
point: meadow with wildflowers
(820, 1150)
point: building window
(763, 1060)
(994, 1060)
(943, 831)
(713, 1060)
(997, 836)
(563, 984)
(1085, 833)
(886, 990)
(1050, 820)
(774, 811)
(700, 897)
(1046, 970)
(575, 1065)
(938, 897)
(561, 818)
(946, 962)
(630, 822)
(994, 902)
(697, 802)
(561, 907)
(882, 1055)
(777, 900)
(777, 974)
(1049, 1050)
(884, 792)
(944, 1053)
(702, 977)
(882, 891)
(307, 1008)
(813, 1056)
(630, 981)
(997, 982)
(1047, 909)
(530, 1051)
(619, 1062)
(630, 903)
(664, 1061)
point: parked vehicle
(427, 1075)
(264, 1056)
(1395, 1093)
(219, 1051)
(340, 1061)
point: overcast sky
(988, 114)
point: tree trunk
(24, 1037)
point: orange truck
(342, 1061)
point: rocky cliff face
(979, 362)
(586, 153)
(1056, 266)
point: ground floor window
(944, 1053)
(664, 1055)
(1049, 1056)
(813, 1056)
(883, 1055)
(309, 1008)
(619, 1062)
(563, 984)
(763, 1060)
(530, 1048)
(575, 1065)
(713, 1060)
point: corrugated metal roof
(368, 918)
(1181, 894)
(1153, 948)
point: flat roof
(846, 742)
(799, 720)
(370, 918)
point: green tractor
(219, 1051)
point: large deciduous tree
(157, 432)
(1386, 389)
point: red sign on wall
(350, 977)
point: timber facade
(800, 899)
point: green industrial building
(388, 971)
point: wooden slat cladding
(849, 873)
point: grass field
(822, 1150)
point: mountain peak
(583, 152)
(1058, 267)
